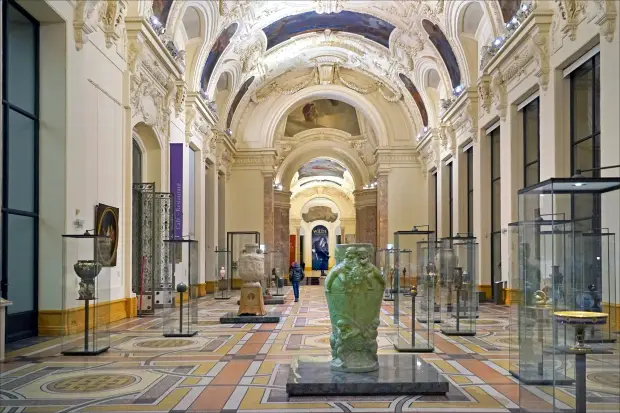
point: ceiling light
(498, 41)
(578, 184)
(525, 6)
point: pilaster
(366, 216)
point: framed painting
(106, 223)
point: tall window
(531, 143)
(20, 169)
(450, 199)
(136, 173)
(436, 196)
(469, 161)
(586, 138)
(496, 206)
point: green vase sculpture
(354, 291)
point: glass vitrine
(86, 294)
(427, 280)
(235, 244)
(459, 308)
(563, 269)
(385, 263)
(278, 269)
(411, 335)
(181, 314)
(223, 274)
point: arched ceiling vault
(273, 38)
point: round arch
(283, 104)
(152, 154)
(317, 149)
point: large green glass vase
(354, 290)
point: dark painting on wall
(161, 9)
(323, 113)
(442, 45)
(216, 52)
(363, 24)
(509, 8)
(238, 97)
(415, 94)
(320, 248)
(106, 224)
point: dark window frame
(7, 108)
(435, 189)
(469, 163)
(527, 164)
(494, 231)
(450, 198)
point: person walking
(296, 275)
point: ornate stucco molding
(256, 159)
(199, 123)
(607, 20)
(90, 15)
(462, 117)
(484, 92)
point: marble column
(268, 215)
(482, 206)
(211, 218)
(382, 210)
(366, 216)
(281, 214)
(221, 214)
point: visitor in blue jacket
(295, 276)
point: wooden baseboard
(71, 321)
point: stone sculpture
(354, 290)
(252, 272)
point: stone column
(221, 213)
(482, 206)
(459, 192)
(282, 208)
(268, 209)
(382, 210)
(443, 223)
(211, 223)
(366, 216)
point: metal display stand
(181, 315)
(223, 275)
(82, 262)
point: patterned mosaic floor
(244, 367)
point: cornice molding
(365, 198)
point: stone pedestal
(251, 301)
(3, 304)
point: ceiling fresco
(244, 88)
(363, 24)
(161, 9)
(322, 167)
(323, 113)
(415, 94)
(509, 8)
(442, 44)
(216, 52)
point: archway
(148, 151)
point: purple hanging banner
(176, 187)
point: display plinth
(234, 318)
(251, 302)
(180, 315)
(235, 245)
(85, 294)
(223, 275)
(274, 300)
(397, 374)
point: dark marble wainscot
(273, 300)
(397, 374)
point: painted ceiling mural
(323, 113)
(322, 167)
(509, 8)
(244, 88)
(161, 9)
(415, 94)
(216, 52)
(442, 44)
(363, 24)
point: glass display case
(564, 262)
(427, 280)
(235, 244)
(181, 314)
(86, 294)
(278, 271)
(411, 335)
(223, 275)
(459, 299)
(385, 262)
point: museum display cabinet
(86, 286)
(385, 263)
(278, 272)
(235, 244)
(223, 274)
(181, 314)
(564, 264)
(459, 301)
(411, 335)
(152, 220)
(427, 280)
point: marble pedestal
(3, 305)
(234, 318)
(251, 300)
(270, 301)
(397, 374)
